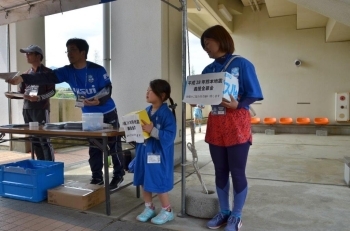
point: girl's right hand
(146, 127)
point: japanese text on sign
(132, 128)
(209, 89)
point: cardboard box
(77, 195)
(209, 89)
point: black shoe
(115, 183)
(97, 181)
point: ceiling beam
(338, 10)
(196, 25)
(277, 8)
(337, 32)
(235, 7)
(42, 8)
(212, 7)
(309, 19)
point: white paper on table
(8, 75)
(132, 128)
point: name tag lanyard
(227, 64)
(34, 89)
(80, 96)
(217, 109)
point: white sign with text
(209, 89)
(132, 128)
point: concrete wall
(272, 45)
(68, 111)
(144, 48)
(64, 110)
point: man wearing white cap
(36, 106)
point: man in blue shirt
(87, 81)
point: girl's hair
(220, 35)
(159, 87)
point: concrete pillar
(145, 44)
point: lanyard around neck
(75, 77)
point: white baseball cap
(32, 48)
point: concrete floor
(296, 182)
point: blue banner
(105, 1)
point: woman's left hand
(147, 127)
(233, 104)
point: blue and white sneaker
(217, 221)
(233, 223)
(163, 217)
(147, 214)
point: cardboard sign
(209, 89)
(132, 127)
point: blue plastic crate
(29, 180)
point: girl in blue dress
(154, 162)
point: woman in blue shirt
(228, 132)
